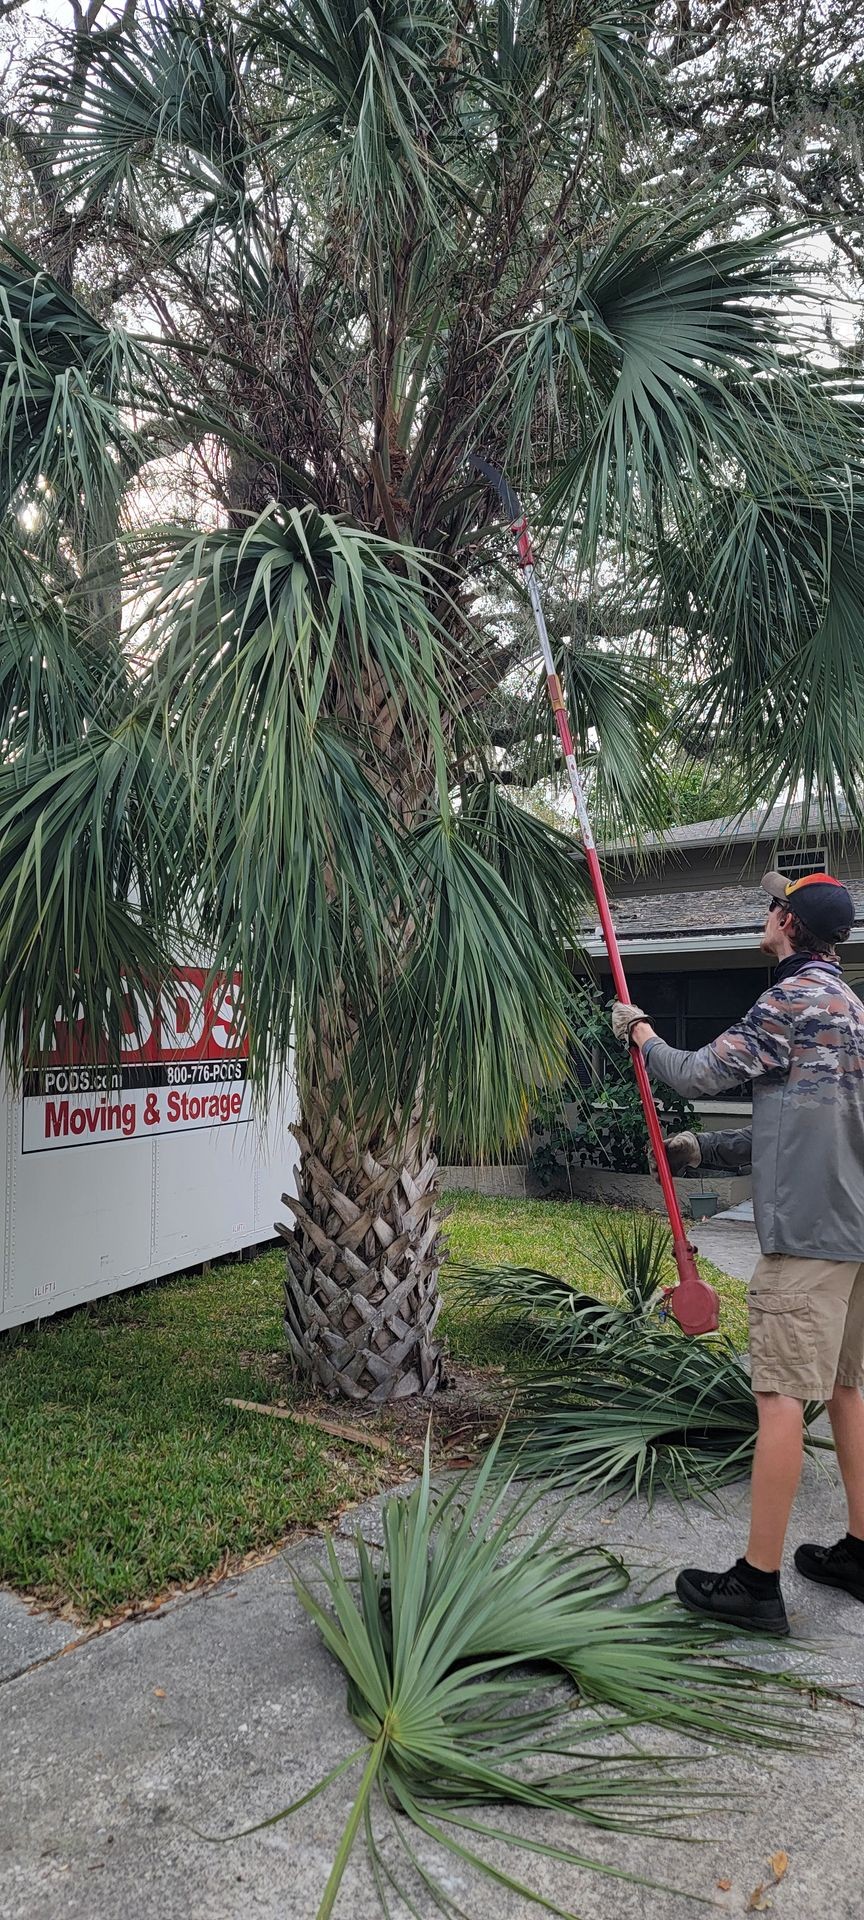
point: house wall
(678, 868)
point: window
(690, 1008)
(714, 1000)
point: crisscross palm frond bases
(282, 267)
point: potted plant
(703, 1204)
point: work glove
(683, 1153)
(624, 1017)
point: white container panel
(116, 1174)
(80, 1225)
(85, 1221)
(209, 1190)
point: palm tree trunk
(361, 1291)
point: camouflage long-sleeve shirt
(802, 1046)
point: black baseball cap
(821, 903)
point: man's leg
(846, 1414)
(842, 1564)
(788, 1367)
(846, 1407)
(748, 1594)
(776, 1472)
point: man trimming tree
(802, 1046)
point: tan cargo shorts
(806, 1326)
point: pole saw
(694, 1304)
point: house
(688, 911)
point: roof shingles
(708, 910)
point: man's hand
(683, 1153)
(624, 1018)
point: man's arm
(760, 1043)
(731, 1151)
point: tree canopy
(272, 273)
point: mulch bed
(461, 1418)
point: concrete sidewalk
(224, 1708)
(729, 1239)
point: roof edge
(771, 823)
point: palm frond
(91, 883)
(597, 77)
(301, 863)
(364, 77)
(50, 684)
(608, 1401)
(169, 87)
(637, 1256)
(299, 600)
(476, 1016)
(544, 1318)
(619, 69)
(770, 598)
(554, 1325)
(615, 705)
(540, 867)
(452, 1645)
(64, 380)
(647, 370)
(650, 1412)
(272, 651)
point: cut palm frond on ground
(536, 1310)
(652, 1411)
(637, 1255)
(545, 1316)
(608, 1400)
(468, 1649)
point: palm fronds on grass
(649, 1412)
(547, 1317)
(467, 1647)
(536, 1312)
(609, 1401)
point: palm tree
(327, 249)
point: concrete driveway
(224, 1707)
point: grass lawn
(555, 1236)
(122, 1472)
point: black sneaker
(724, 1596)
(832, 1567)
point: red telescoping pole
(693, 1302)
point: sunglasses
(778, 906)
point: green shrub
(607, 1128)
